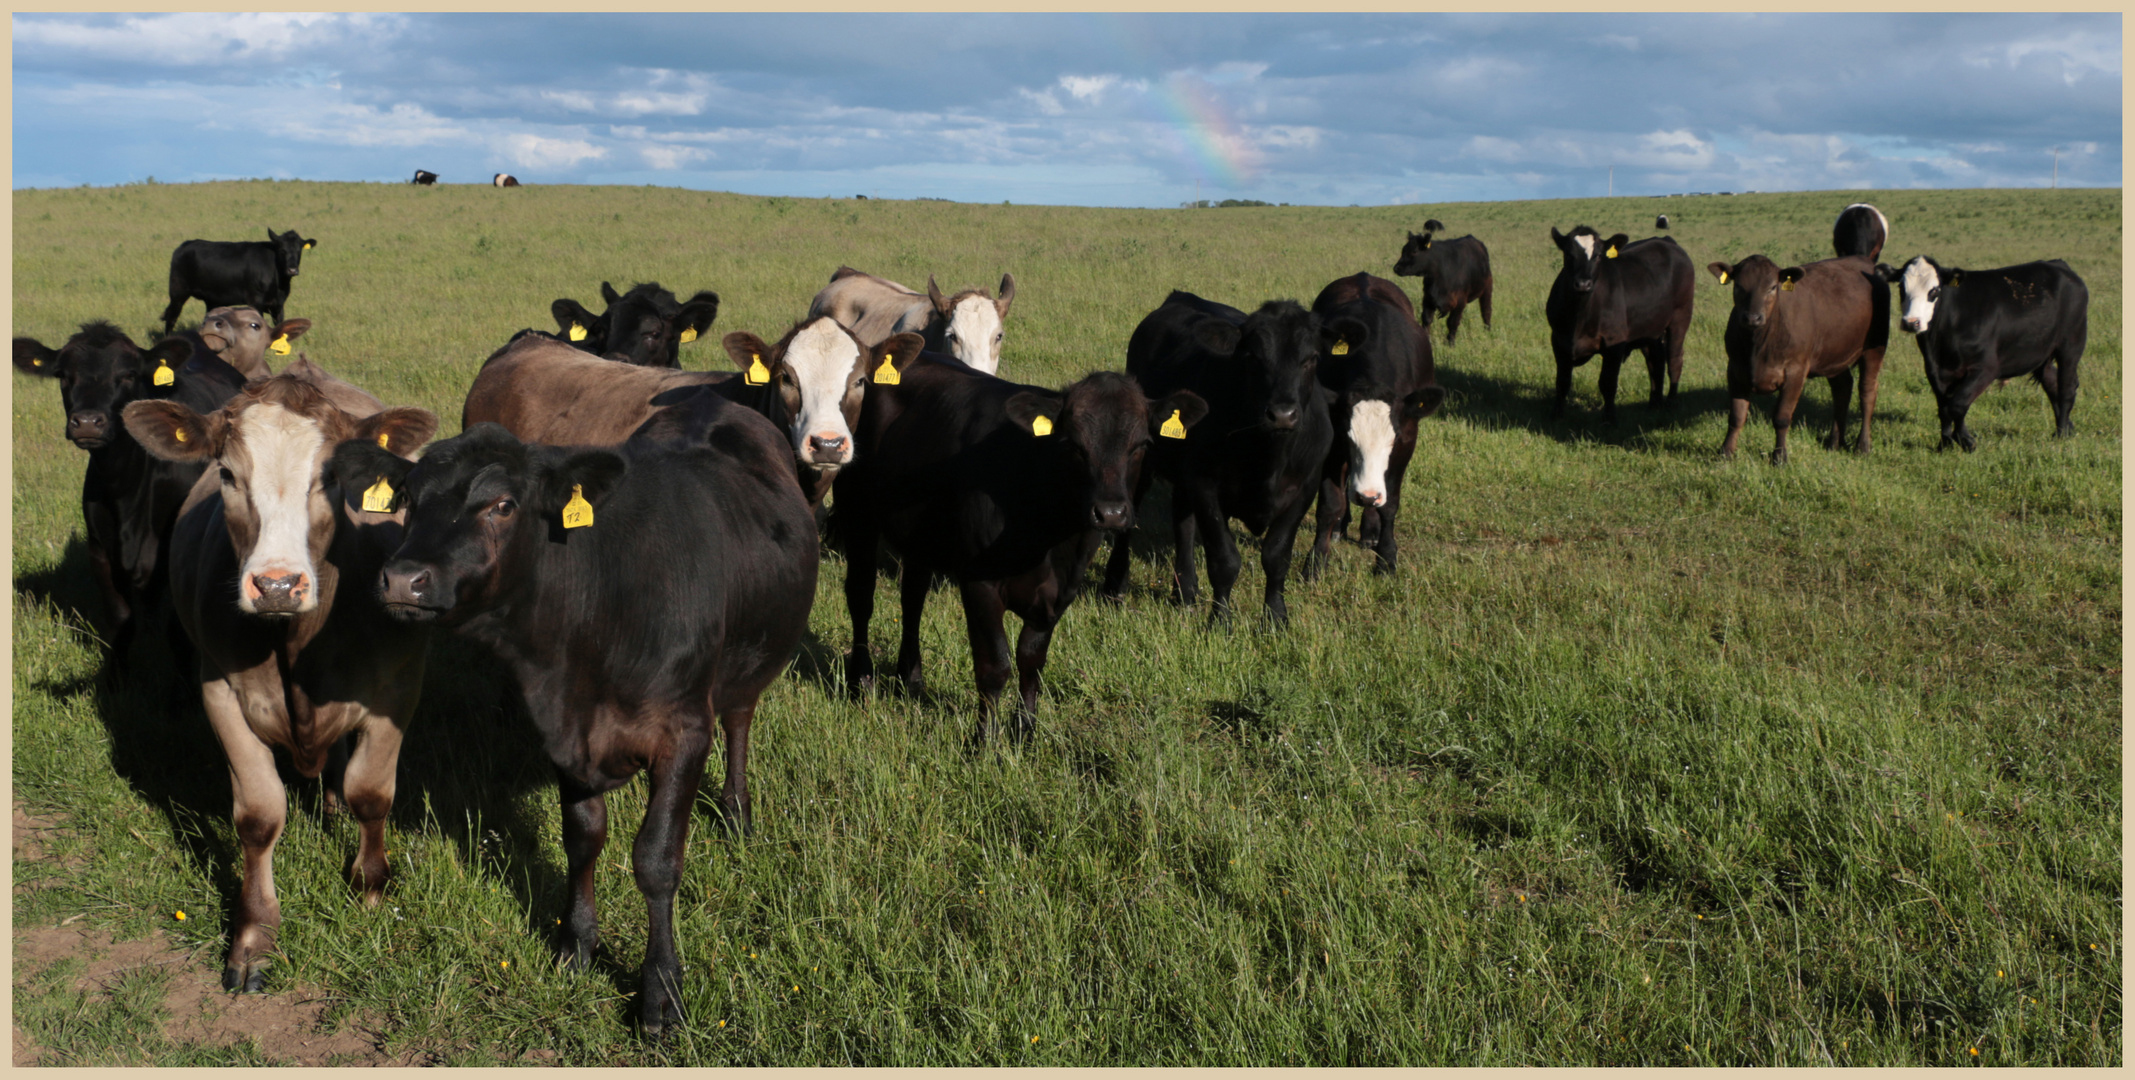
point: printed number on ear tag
(279, 346)
(1172, 428)
(1041, 426)
(1611, 253)
(578, 513)
(164, 376)
(689, 334)
(378, 498)
(887, 373)
(758, 374)
(1341, 348)
(578, 333)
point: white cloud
(201, 38)
(530, 151)
(1044, 100)
(661, 156)
(1085, 87)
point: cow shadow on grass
(1502, 403)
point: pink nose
(282, 590)
(1371, 498)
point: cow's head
(289, 249)
(272, 447)
(241, 336)
(100, 371)
(1376, 417)
(1104, 427)
(1920, 287)
(1413, 254)
(646, 326)
(1273, 359)
(476, 504)
(1757, 282)
(970, 324)
(1584, 252)
(821, 372)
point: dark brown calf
(1815, 321)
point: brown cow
(241, 336)
(290, 657)
(1819, 320)
(967, 325)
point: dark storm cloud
(1080, 108)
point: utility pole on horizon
(1612, 181)
(2057, 168)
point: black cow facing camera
(1976, 326)
(222, 273)
(1613, 296)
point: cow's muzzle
(410, 593)
(1282, 417)
(1373, 497)
(278, 592)
(1112, 514)
(1910, 326)
(829, 449)
(89, 430)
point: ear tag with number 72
(578, 513)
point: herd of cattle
(639, 543)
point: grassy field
(1643, 757)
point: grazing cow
(227, 274)
(1861, 230)
(288, 658)
(646, 326)
(129, 500)
(1976, 326)
(1613, 296)
(1819, 320)
(809, 384)
(1003, 487)
(1453, 272)
(968, 325)
(1259, 455)
(1661, 222)
(242, 338)
(1380, 382)
(504, 180)
(424, 177)
(636, 592)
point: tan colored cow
(241, 336)
(968, 325)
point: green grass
(1643, 758)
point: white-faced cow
(424, 177)
(231, 273)
(1819, 320)
(1860, 230)
(1977, 326)
(646, 326)
(270, 567)
(968, 325)
(1613, 296)
(504, 180)
(1453, 272)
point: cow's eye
(1934, 294)
(228, 477)
(504, 508)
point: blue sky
(1088, 109)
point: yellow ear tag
(1786, 286)
(578, 333)
(1341, 348)
(1041, 426)
(1723, 277)
(280, 345)
(178, 434)
(689, 334)
(1172, 428)
(385, 440)
(164, 376)
(578, 513)
(1611, 253)
(758, 374)
(887, 373)
(309, 244)
(378, 498)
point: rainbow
(1205, 134)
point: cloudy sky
(1091, 109)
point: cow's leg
(1871, 376)
(101, 524)
(1221, 550)
(1327, 521)
(2058, 376)
(656, 861)
(912, 588)
(585, 833)
(734, 797)
(367, 789)
(1611, 367)
(1397, 465)
(1841, 397)
(1965, 393)
(1185, 575)
(1656, 376)
(1275, 550)
(1562, 349)
(1453, 321)
(983, 609)
(177, 306)
(859, 604)
(1482, 301)
(1783, 416)
(1122, 557)
(1038, 604)
(259, 809)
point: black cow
(129, 500)
(1259, 455)
(1976, 326)
(1613, 296)
(637, 592)
(504, 180)
(1453, 272)
(424, 177)
(1860, 230)
(1005, 488)
(248, 273)
(1380, 382)
(1660, 222)
(646, 326)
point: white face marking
(283, 449)
(822, 357)
(1371, 442)
(976, 326)
(1920, 279)
(1586, 244)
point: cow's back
(1163, 353)
(873, 308)
(1829, 315)
(545, 391)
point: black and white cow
(424, 177)
(646, 326)
(1860, 230)
(1976, 326)
(504, 180)
(249, 273)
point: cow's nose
(278, 590)
(1371, 496)
(403, 586)
(1912, 326)
(1282, 416)
(1110, 514)
(831, 443)
(93, 422)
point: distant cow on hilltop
(504, 180)
(424, 177)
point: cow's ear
(398, 431)
(1424, 402)
(1217, 336)
(608, 294)
(1788, 277)
(696, 316)
(1035, 411)
(1616, 244)
(898, 354)
(1343, 336)
(173, 350)
(1425, 243)
(292, 328)
(587, 474)
(934, 296)
(747, 350)
(33, 357)
(1174, 414)
(1008, 295)
(573, 320)
(1884, 275)
(169, 430)
(1556, 237)
(1956, 277)
(360, 466)
(1721, 271)
(308, 244)
(275, 237)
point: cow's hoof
(1382, 568)
(1862, 446)
(246, 978)
(1779, 456)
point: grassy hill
(1643, 758)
